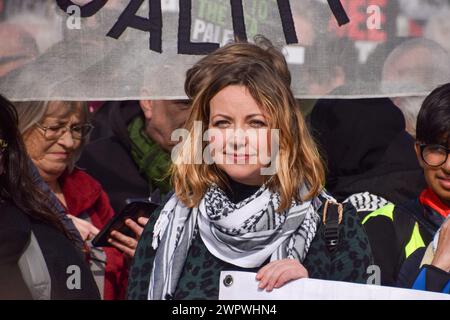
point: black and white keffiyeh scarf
(245, 234)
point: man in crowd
(417, 65)
(133, 160)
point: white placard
(245, 287)
(294, 55)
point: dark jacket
(59, 254)
(396, 232)
(427, 277)
(109, 159)
(367, 149)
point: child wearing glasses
(413, 249)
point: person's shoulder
(385, 212)
(81, 174)
(393, 214)
(350, 222)
(82, 192)
(327, 201)
(366, 202)
(407, 213)
(149, 227)
(12, 217)
(349, 258)
(346, 221)
(79, 178)
(101, 144)
(15, 231)
(409, 207)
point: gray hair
(410, 107)
(426, 73)
(32, 112)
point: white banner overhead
(134, 49)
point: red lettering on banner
(357, 28)
(415, 30)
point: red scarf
(430, 199)
(85, 194)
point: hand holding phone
(126, 224)
(125, 243)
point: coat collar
(80, 190)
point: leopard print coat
(201, 273)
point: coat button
(228, 281)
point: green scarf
(153, 162)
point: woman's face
(239, 135)
(53, 155)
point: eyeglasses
(434, 155)
(55, 132)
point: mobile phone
(134, 209)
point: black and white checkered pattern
(245, 234)
(365, 201)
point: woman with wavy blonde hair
(248, 185)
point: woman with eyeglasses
(38, 256)
(54, 134)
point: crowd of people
(352, 188)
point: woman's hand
(128, 244)
(277, 273)
(441, 258)
(86, 229)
